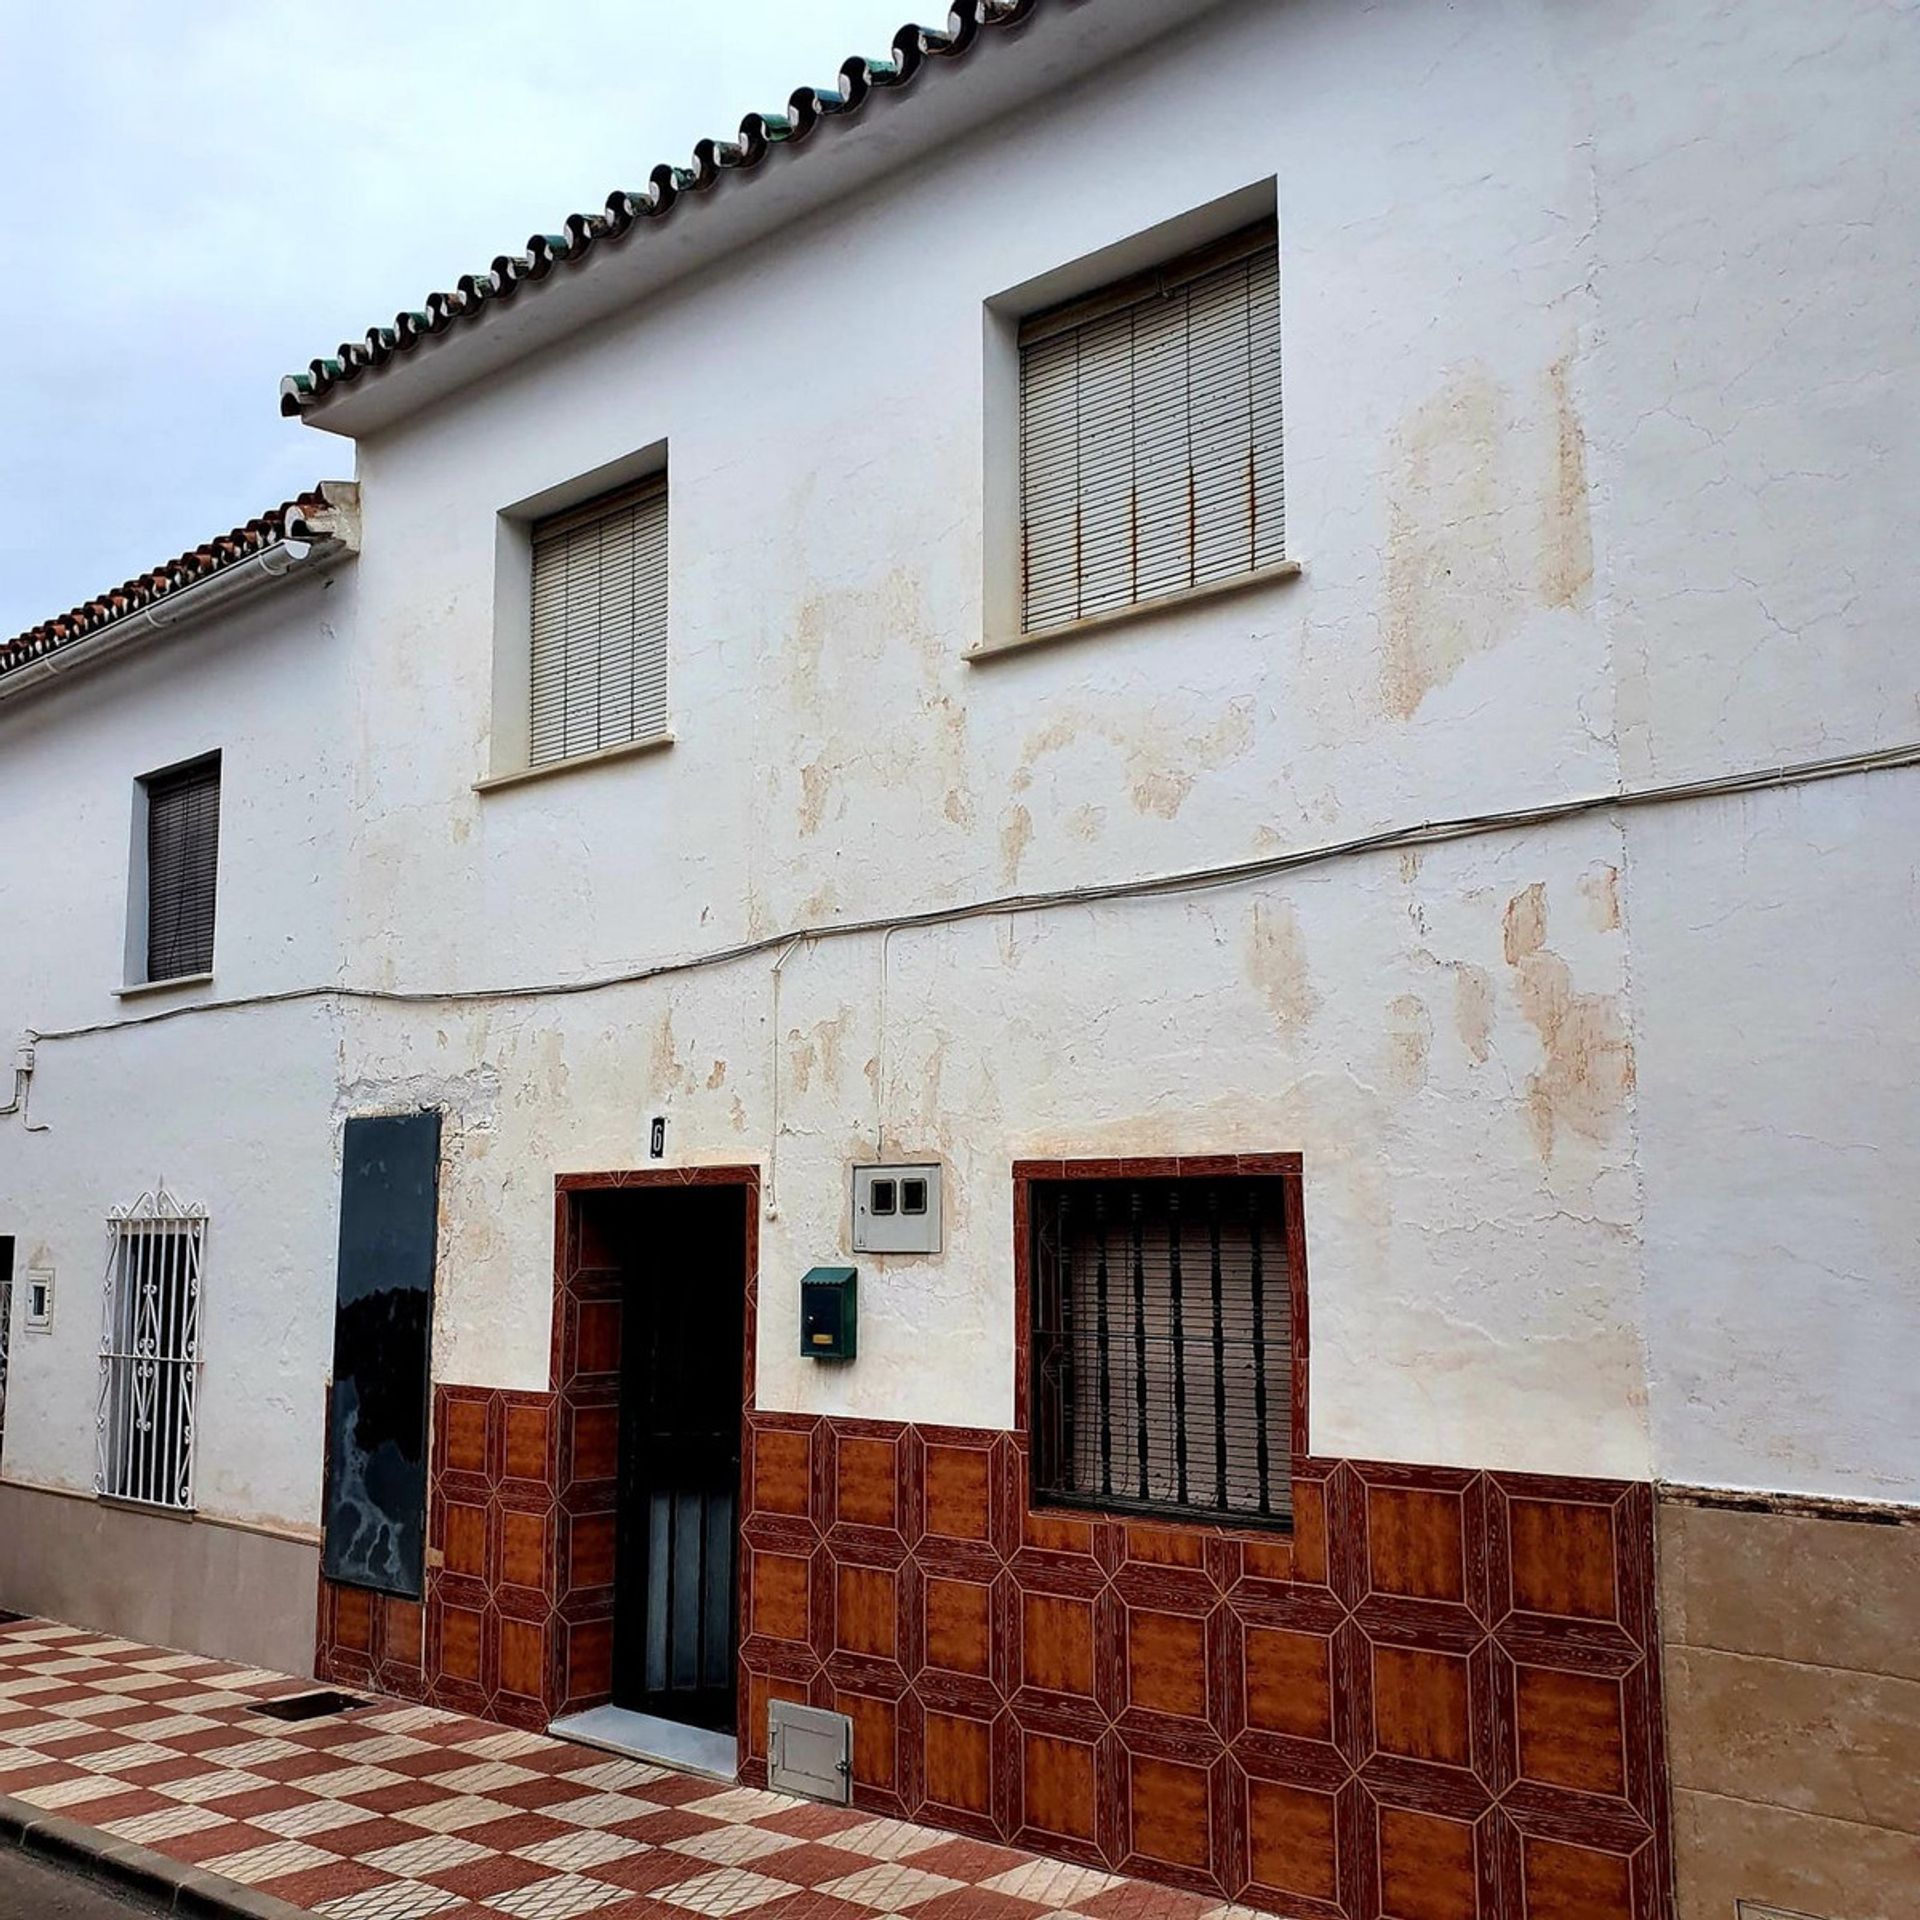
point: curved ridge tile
(758, 135)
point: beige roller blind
(1150, 436)
(600, 625)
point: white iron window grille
(150, 1354)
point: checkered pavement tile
(730, 1890)
(404, 1812)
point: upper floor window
(1150, 435)
(182, 859)
(599, 669)
(1163, 1342)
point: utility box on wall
(896, 1209)
(809, 1751)
(829, 1313)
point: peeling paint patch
(717, 1077)
(1566, 544)
(816, 787)
(1276, 965)
(1409, 1042)
(1016, 836)
(1524, 929)
(1473, 1011)
(1600, 889)
(1587, 1071)
(1447, 578)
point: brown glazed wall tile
(1427, 1867)
(1571, 1730)
(1421, 1705)
(1041, 1671)
(1166, 1664)
(1561, 1558)
(1564, 1882)
(464, 1425)
(1294, 1838)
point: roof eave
(1053, 46)
(319, 531)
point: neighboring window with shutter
(1150, 436)
(600, 626)
(1163, 1344)
(183, 857)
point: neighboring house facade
(1303, 983)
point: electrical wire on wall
(1146, 887)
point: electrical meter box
(896, 1209)
(829, 1313)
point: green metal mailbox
(829, 1318)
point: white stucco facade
(1599, 444)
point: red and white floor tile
(400, 1812)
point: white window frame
(151, 1352)
(510, 754)
(1074, 292)
(135, 975)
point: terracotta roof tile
(760, 134)
(288, 521)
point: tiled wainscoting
(486, 1639)
(1439, 1698)
(1436, 1699)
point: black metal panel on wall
(376, 1486)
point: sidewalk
(397, 1812)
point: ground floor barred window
(150, 1352)
(1163, 1344)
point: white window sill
(1138, 610)
(125, 1503)
(139, 989)
(579, 761)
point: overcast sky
(199, 197)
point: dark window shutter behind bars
(183, 848)
(1163, 1345)
(1150, 436)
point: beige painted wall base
(191, 1584)
(1793, 1709)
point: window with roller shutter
(1163, 1343)
(599, 592)
(1150, 436)
(183, 858)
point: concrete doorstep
(172, 1885)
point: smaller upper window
(1150, 435)
(599, 676)
(183, 858)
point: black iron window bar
(1162, 1350)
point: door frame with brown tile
(517, 1621)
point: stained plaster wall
(234, 1112)
(1579, 484)
(1586, 438)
